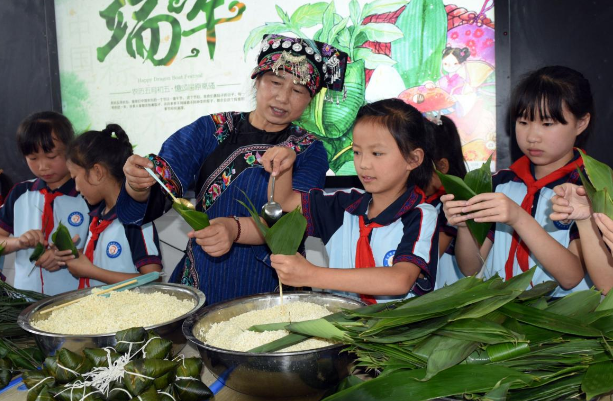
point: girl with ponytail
(113, 252)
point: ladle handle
(272, 188)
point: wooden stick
(80, 299)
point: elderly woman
(219, 155)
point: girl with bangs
(552, 108)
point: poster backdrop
(153, 66)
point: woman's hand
(138, 181)
(453, 210)
(30, 238)
(292, 270)
(570, 202)
(218, 238)
(492, 207)
(278, 159)
(605, 224)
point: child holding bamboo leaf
(35, 209)
(551, 108)
(389, 227)
(113, 251)
(592, 217)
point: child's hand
(48, 261)
(30, 238)
(292, 270)
(80, 267)
(218, 238)
(63, 256)
(453, 210)
(492, 207)
(570, 203)
(278, 159)
(605, 224)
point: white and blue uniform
(408, 234)
(123, 248)
(508, 183)
(23, 211)
(448, 271)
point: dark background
(529, 34)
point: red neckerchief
(439, 192)
(47, 218)
(363, 253)
(522, 169)
(95, 229)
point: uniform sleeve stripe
(306, 212)
(421, 220)
(150, 260)
(6, 227)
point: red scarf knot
(522, 169)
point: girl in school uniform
(448, 159)
(382, 243)
(113, 252)
(551, 108)
(33, 209)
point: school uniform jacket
(123, 248)
(507, 182)
(408, 234)
(23, 211)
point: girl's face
(86, 184)
(279, 101)
(50, 167)
(547, 143)
(380, 165)
(450, 64)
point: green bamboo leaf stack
(476, 182)
(598, 184)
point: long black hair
(546, 91)
(37, 130)
(407, 126)
(110, 147)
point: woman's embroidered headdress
(313, 64)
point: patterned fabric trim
(167, 175)
(414, 199)
(305, 200)
(227, 172)
(189, 274)
(421, 286)
(225, 125)
(150, 260)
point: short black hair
(110, 147)
(448, 146)
(37, 131)
(546, 91)
(407, 126)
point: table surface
(225, 394)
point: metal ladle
(271, 211)
(181, 201)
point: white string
(168, 394)
(34, 386)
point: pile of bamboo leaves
(475, 339)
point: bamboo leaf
(260, 328)
(405, 384)
(578, 303)
(607, 303)
(538, 290)
(549, 321)
(196, 220)
(372, 60)
(600, 174)
(447, 353)
(318, 328)
(279, 344)
(63, 241)
(285, 236)
(504, 351)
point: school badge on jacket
(113, 249)
(75, 219)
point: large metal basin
(49, 343)
(272, 375)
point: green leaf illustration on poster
(75, 103)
